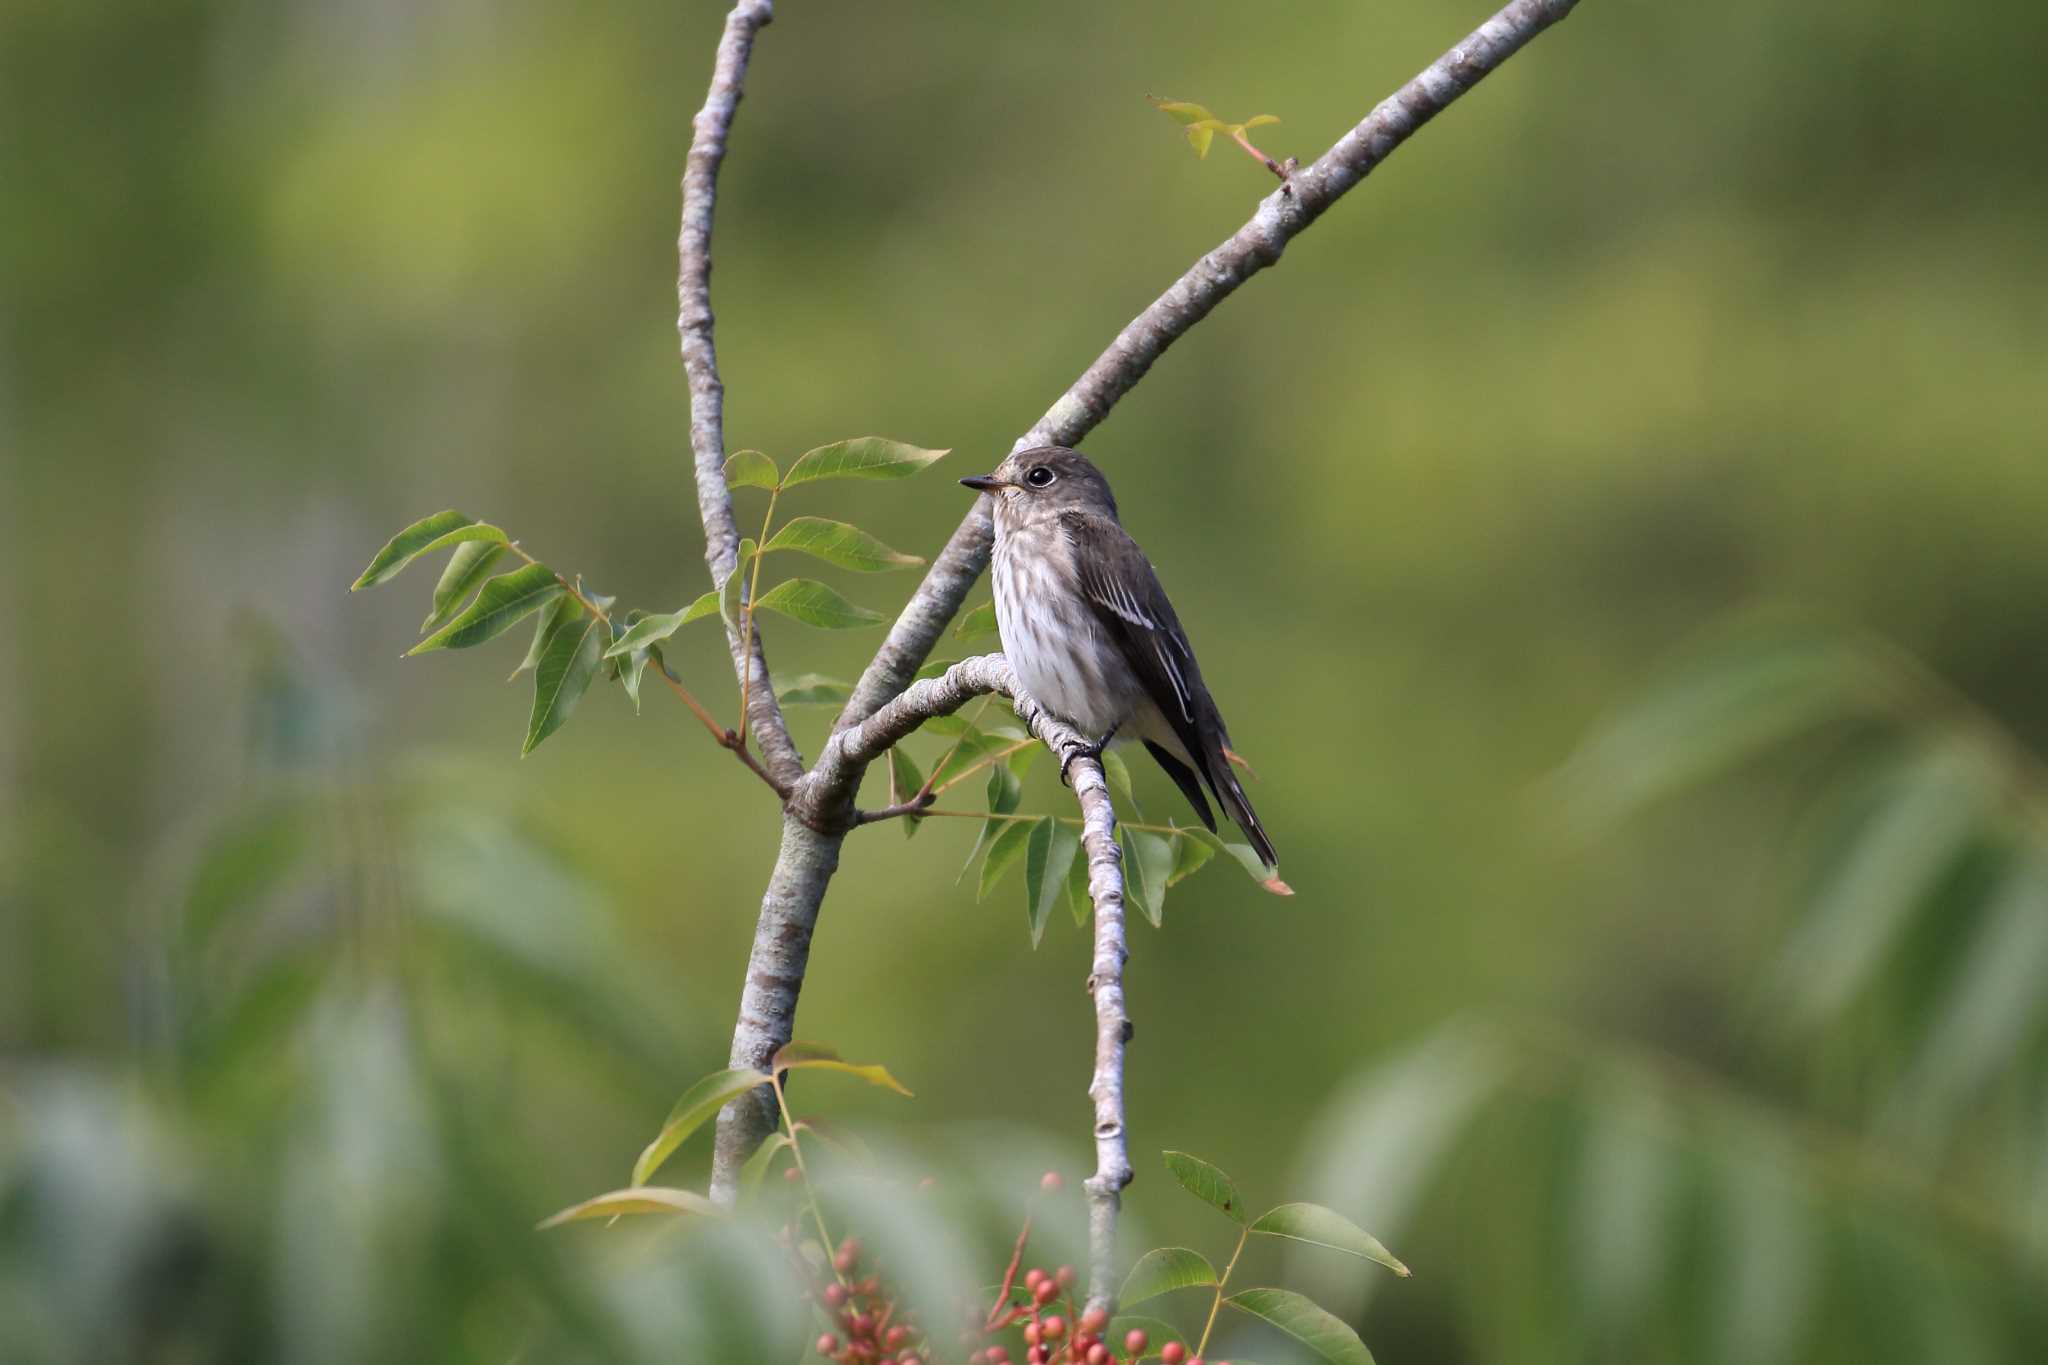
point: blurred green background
(313, 996)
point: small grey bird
(1090, 633)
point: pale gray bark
(820, 808)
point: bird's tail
(1230, 795)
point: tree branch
(700, 363)
(1281, 216)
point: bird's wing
(1120, 586)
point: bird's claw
(1074, 751)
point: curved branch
(700, 363)
(1282, 216)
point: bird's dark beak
(984, 483)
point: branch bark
(700, 363)
(820, 808)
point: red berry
(1053, 1327)
(869, 1285)
(1032, 1277)
(792, 1174)
(1051, 1183)
(1094, 1320)
(1135, 1341)
(1173, 1353)
(897, 1336)
(835, 1294)
(1067, 1277)
(1030, 1334)
(1098, 1354)
(1047, 1291)
(863, 1325)
(848, 1256)
(828, 1345)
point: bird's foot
(1074, 751)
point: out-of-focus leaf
(751, 469)
(1163, 1270)
(1037, 848)
(905, 781)
(698, 1104)
(1245, 857)
(864, 457)
(1325, 1335)
(1257, 121)
(1148, 862)
(1993, 1005)
(467, 567)
(241, 864)
(1206, 1182)
(976, 621)
(1323, 1227)
(802, 1056)
(837, 543)
(755, 1169)
(1926, 810)
(1003, 852)
(1182, 112)
(567, 664)
(1766, 1286)
(814, 604)
(647, 1199)
(1005, 794)
(1079, 903)
(1626, 1183)
(1046, 872)
(1711, 714)
(565, 608)
(1189, 857)
(813, 689)
(504, 602)
(437, 532)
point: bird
(1091, 635)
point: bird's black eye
(1041, 476)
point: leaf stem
(1217, 1302)
(796, 1153)
(574, 590)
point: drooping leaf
(814, 604)
(1318, 1226)
(803, 1056)
(1245, 857)
(751, 469)
(905, 781)
(1324, 1334)
(1003, 853)
(969, 749)
(468, 566)
(650, 630)
(864, 457)
(1206, 1182)
(1005, 793)
(638, 1199)
(563, 608)
(1926, 811)
(697, 1105)
(1148, 862)
(1163, 1270)
(755, 1169)
(813, 689)
(414, 541)
(1119, 774)
(976, 621)
(503, 602)
(1079, 903)
(633, 666)
(1047, 861)
(838, 543)
(1189, 857)
(567, 664)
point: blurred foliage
(1685, 309)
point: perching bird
(1089, 631)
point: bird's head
(1043, 482)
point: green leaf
(564, 607)
(1079, 902)
(1318, 1226)
(568, 662)
(1181, 111)
(504, 602)
(933, 668)
(415, 540)
(971, 748)
(468, 566)
(837, 542)
(638, 1199)
(1148, 862)
(864, 457)
(729, 586)
(755, 1169)
(705, 605)
(1246, 857)
(650, 630)
(1163, 1270)
(802, 1056)
(1003, 852)
(252, 855)
(751, 469)
(634, 665)
(1326, 1335)
(905, 781)
(1204, 1181)
(698, 1104)
(1189, 857)
(1047, 859)
(814, 604)
(813, 689)
(1005, 793)
(976, 621)
(1119, 775)
(1258, 121)
(1199, 135)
